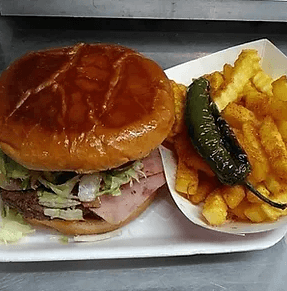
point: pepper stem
(262, 197)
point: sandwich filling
(110, 195)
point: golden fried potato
(280, 166)
(215, 208)
(253, 198)
(282, 127)
(255, 213)
(228, 73)
(275, 185)
(202, 191)
(255, 152)
(279, 88)
(255, 101)
(233, 195)
(246, 65)
(278, 109)
(216, 81)
(186, 179)
(271, 139)
(271, 212)
(179, 93)
(239, 210)
(263, 82)
(186, 151)
(236, 115)
(206, 185)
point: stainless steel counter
(248, 10)
(169, 43)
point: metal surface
(260, 10)
(169, 45)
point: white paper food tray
(162, 230)
(274, 63)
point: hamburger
(79, 131)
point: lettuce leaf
(2, 163)
(114, 179)
(15, 170)
(64, 189)
(66, 214)
(13, 227)
(52, 200)
(11, 171)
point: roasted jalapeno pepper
(215, 141)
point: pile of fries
(255, 106)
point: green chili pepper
(215, 141)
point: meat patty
(26, 202)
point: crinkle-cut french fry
(249, 89)
(233, 195)
(281, 197)
(238, 211)
(179, 93)
(246, 65)
(260, 164)
(253, 198)
(227, 72)
(255, 213)
(280, 167)
(271, 212)
(258, 173)
(215, 208)
(216, 81)
(256, 154)
(257, 102)
(275, 185)
(279, 88)
(186, 179)
(263, 82)
(278, 109)
(275, 213)
(236, 115)
(282, 127)
(200, 195)
(271, 139)
(186, 151)
(205, 187)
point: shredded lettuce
(11, 171)
(63, 239)
(62, 198)
(63, 190)
(66, 214)
(2, 163)
(15, 170)
(116, 178)
(52, 200)
(58, 199)
(13, 227)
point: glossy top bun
(84, 108)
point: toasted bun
(89, 226)
(84, 108)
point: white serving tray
(162, 230)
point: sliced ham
(115, 209)
(152, 163)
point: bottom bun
(89, 226)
